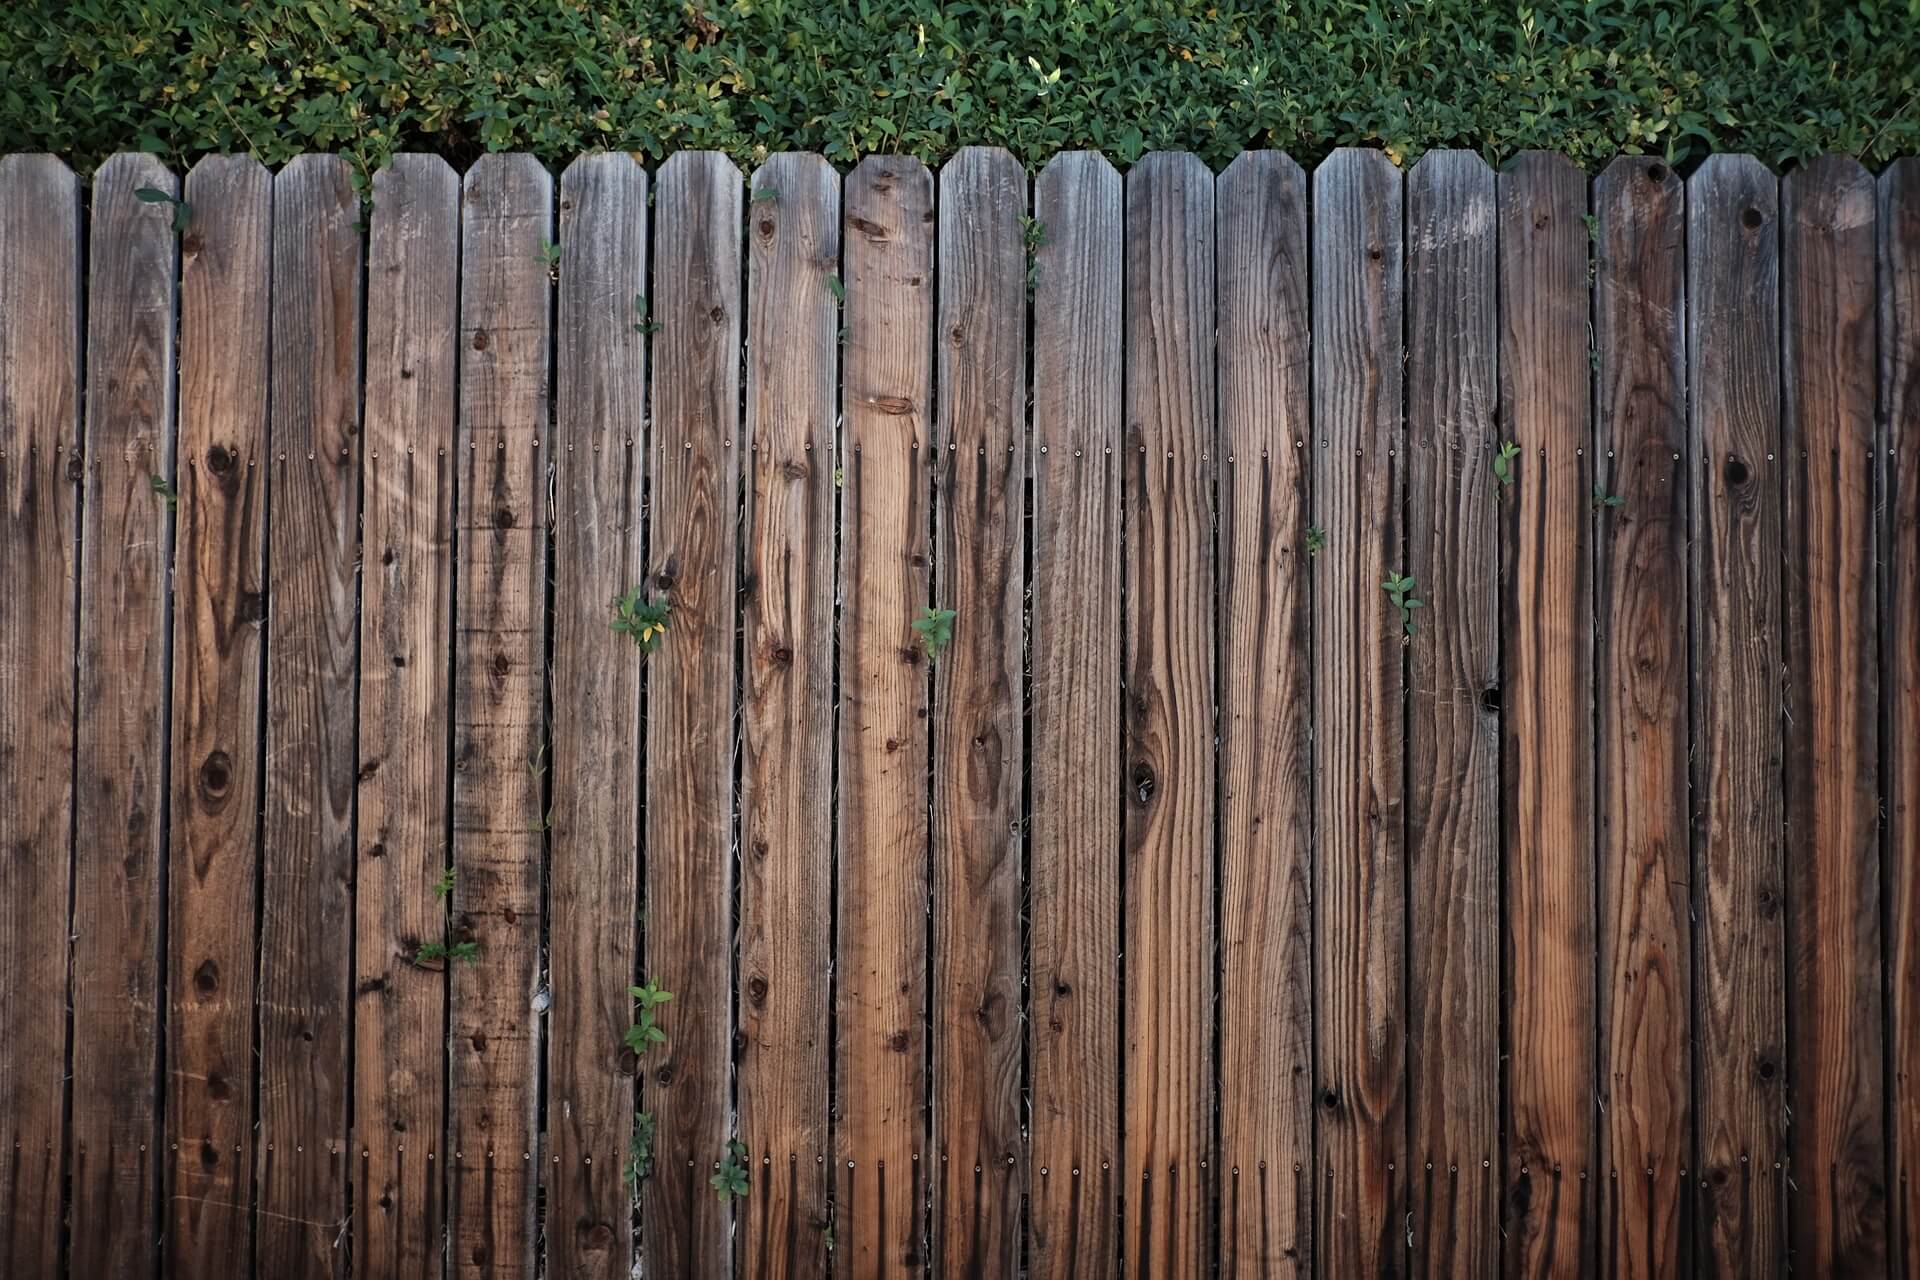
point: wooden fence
(1196, 904)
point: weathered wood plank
(881, 969)
(1547, 690)
(1640, 786)
(1835, 1065)
(1359, 718)
(1453, 724)
(1074, 729)
(979, 762)
(601, 371)
(40, 461)
(500, 760)
(1733, 379)
(1266, 798)
(693, 551)
(786, 792)
(126, 548)
(226, 280)
(406, 615)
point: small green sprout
(182, 211)
(644, 620)
(1503, 465)
(729, 1181)
(639, 1151)
(443, 887)
(766, 195)
(640, 323)
(1316, 539)
(1602, 500)
(164, 488)
(1399, 588)
(644, 1033)
(935, 629)
(550, 256)
(431, 953)
(837, 287)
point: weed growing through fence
(837, 287)
(1316, 539)
(644, 620)
(443, 887)
(1399, 588)
(729, 1180)
(1604, 501)
(935, 629)
(550, 257)
(1035, 234)
(640, 322)
(639, 1152)
(644, 1033)
(182, 211)
(168, 494)
(441, 952)
(766, 195)
(1503, 465)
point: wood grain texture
(1640, 787)
(979, 763)
(226, 279)
(1074, 722)
(598, 451)
(1168, 918)
(406, 615)
(126, 547)
(1546, 637)
(1453, 723)
(1733, 345)
(1900, 689)
(40, 461)
(500, 757)
(786, 792)
(1265, 746)
(1835, 1066)
(880, 973)
(1359, 718)
(313, 551)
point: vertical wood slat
(1265, 746)
(1641, 718)
(786, 791)
(880, 1165)
(1835, 1068)
(40, 467)
(598, 451)
(979, 764)
(126, 543)
(1359, 717)
(1733, 344)
(218, 647)
(1547, 673)
(1453, 726)
(1074, 734)
(1168, 715)
(693, 553)
(500, 759)
(399, 1110)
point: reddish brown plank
(1835, 1067)
(399, 1034)
(1266, 816)
(126, 546)
(39, 510)
(786, 809)
(1640, 788)
(693, 550)
(1733, 342)
(1359, 718)
(1074, 729)
(881, 969)
(500, 759)
(226, 279)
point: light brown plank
(979, 764)
(1453, 724)
(1835, 1066)
(40, 464)
(406, 615)
(226, 279)
(1266, 797)
(1641, 718)
(1074, 727)
(500, 757)
(1359, 717)
(881, 969)
(786, 796)
(1733, 378)
(126, 549)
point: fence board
(1733, 343)
(500, 758)
(218, 647)
(1265, 747)
(1074, 730)
(1359, 718)
(881, 965)
(1835, 1066)
(126, 537)
(1640, 787)
(406, 616)
(40, 462)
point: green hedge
(181, 77)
